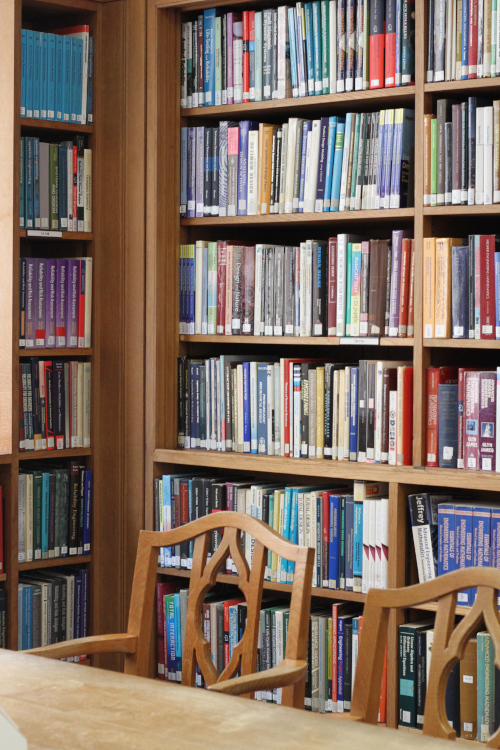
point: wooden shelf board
(55, 562)
(432, 607)
(5, 458)
(347, 470)
(66, 453)
(56, 353)
(397, 97)
(462, 210)
(457, 87)
(32, 123)
(285, 340)
(271, 586)
(312, 218)
(461, 344)
(86, 236)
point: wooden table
(62, 706)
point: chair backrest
(203, 577)
(448, 645)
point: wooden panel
(29, 123)
(297, 219)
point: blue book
(170, 637)
(51, 76)
(385, 186)
(27, 599)
(306, 129)
(398, 30)
(293, 51)
(403, 166)
(341, 623)
(481, 538)
(29, 162)
(353, 416)
(77, 612)
(309, 48)
(44, 76)
(45, 515)
(319, 540)
(90, 82)
(36, 183)
(301, 62)
(244, 128)
(464, 546)
(357, 552)
(63, 185)
(29, 71)
(66, 78)
(184, 171)
(262, 407)
(59, 78)
(332, 130)
(337, 166)
(84, 572)
(448, 426)
(23, 72)
(246, 408)
(209, 53)
(294, 530)
(316, 29)
(342, 545)
(287, 512)
(465, 41)
(397, 142)
(349, 539)
(178, 637)
(497, 296)
(446, 538)
(333, 542)
(76, 79)
(380, 158)
(460, 291)
(204, 292)
(39, 75)
(322, 163)
(87, 511)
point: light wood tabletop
(59, 706)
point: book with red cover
(436, 376)
(246, 61)
(404, 288)
(471, 420)
(162, 589)
(410, 328)
(82, 268)
(407, 457)
(226, 627)
(377, 41)
(325, 540)
(390, 43)
(487, 420)
(487, 285)
(472, 45)
(49, 406)
(332, 286)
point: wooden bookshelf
(166, 231)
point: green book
(485, 686)
(355, 157)
(325, 45)
(434, 162)
(54, 186)
(348, 290)
(212, 289)
(218, 60)
(62, 511)
(270, 522)
(408, 671)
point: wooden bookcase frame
(166, 231)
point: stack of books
(362, 161)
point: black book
(289, 291)
(362, 409)
(223, 59)
(472, 287)
(192, 405)
(203, 408)
(452, 698)
(277, 168)
(218, 505)
(443, 116)
(35, 402)
(22, 303)
(464, 135)
(184, 518)
(207, 174)
(370, 421)
(74, 498)
(58, 401)
(269, 291)
(430, 42)
(242, 618)
(460, 292)
(52, 513)
(81, 490)
(215, 171)
(328, 410)
(304, 409)
(388, 289)
(181, 402)
(228, 404)
(198, 502)
(80, 187)
(319, 287)
(194, 47)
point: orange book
(429, 266)
(410, 328)
(266, 168)
(404, 287)
(427, 159)
(442, 310)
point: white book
(372, 541)
(253, 170)
(300, 520)
(258, 322)
(282, 175)
(282, 28)
(21, 519)
(488, 141)
(341, 282)
(345, 163)
(270, 409)
(86, 404)
(87, 332)
(312, 181)
(347, 412)
(378, 545)
(309, 285)
(365, 575)
(340, 417)
(496, 21)
(384, 571)
(238, 62)
(479, 190)
(282, 406)
(307, 178)
(393, 415)
(335, 415)
(198, 298)
(290, 164)
(302, 294)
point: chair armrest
(93, 644)
(287, 673)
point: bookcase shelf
(452, 211)
(470, 86)
(59, 455)
(55, 562)
(461, 344)
(334, 217)
(29, 123)
(290, 340)
(56, 353)
(86, 236)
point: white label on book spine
(370, 341)
(447, 452)
(289, 329)
(458, 332)
(236, 323)
(247, 328)
(487, 330)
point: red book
(21, 412)
(251, 48)
(162, 589)
(49, 407)
(81, 302)
(206, 623)
(487, 285)
(332, 286)
(410, 328)
(201, 60)
(404, 288)
(472, 52)
(377, 40)
(390, 43)
(326, 529)
(435, 377)
(246, 62)
(406, 457)
(221, 286)
(226, 627)
(382, 709)
(184, 503)
(75, 174)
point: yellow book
(340, 416)
(335, 415)
(266, 171)
(429, 266)
(320, 412)
(442, 312)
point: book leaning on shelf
(344, 286)
(333, 645)
(362, 161)
(55, 303)
(350, 532)
(57, 75)
(307, 49)
(54, 512)
(54, 404)
(300, 408)
(55, 185)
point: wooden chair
(136, 643)
(448, 645)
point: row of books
(350, 532)
(473, 687)
(343, 286)
(333, 644)
(56, 185)
(462, 287)
(462, 40)
(461, 153)
(54, 512)
(57, 75)
(54, 404)
(362, 161)
(53, 607)
(299, 408)
(450, 534)
(462, 417)
(309, 49)
(55, 303)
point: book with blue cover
(209, 55)
(334, 542)
(51, 76)
(337, 166)
(39, 75)
(309, 48)
(332, 131)
(29, 71)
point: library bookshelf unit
(106, 245)
(166, 231)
